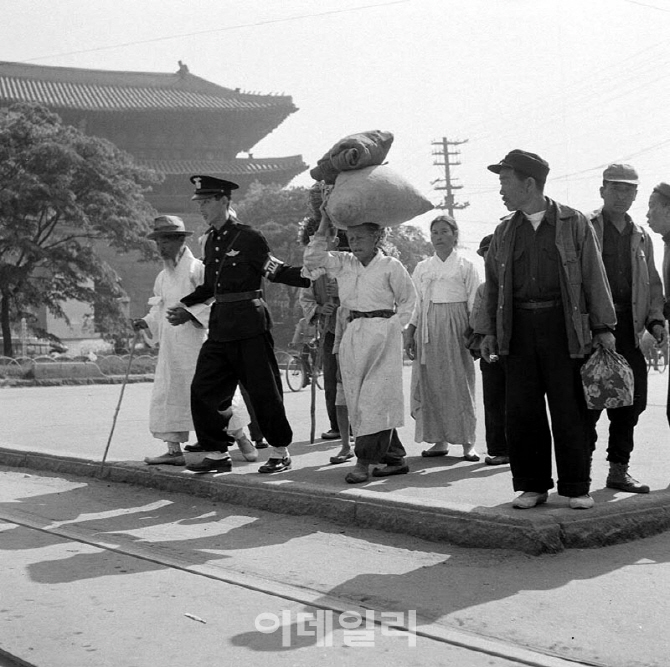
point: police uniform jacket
(236, 259)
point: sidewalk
(65, 430)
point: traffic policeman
(239, 347)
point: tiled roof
(100, 90)
(236, 167)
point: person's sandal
(357, 477)
(341, 458)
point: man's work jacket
(647, 290)
(585, 293)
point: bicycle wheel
(319, 377)
(295, 374)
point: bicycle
(301, 368)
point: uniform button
(217, 259)
(217, 248)
(234, 263)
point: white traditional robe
(371, 356)
(170, 410)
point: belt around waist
(238, 296)
(355, 314)
(536, 305)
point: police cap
(209, 186)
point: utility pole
(442, 151)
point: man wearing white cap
(170, 412)
(637, 293)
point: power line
(642, 4)
(215, 30)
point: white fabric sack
(375, 194)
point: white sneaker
(529, 499)
(581, 502)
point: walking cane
(315, 370)
(118, 405)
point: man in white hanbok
(379, 295)
(170, 412)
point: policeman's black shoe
(211, 465)
(332, 434)
(260, 444)
(195, 447)
(276, 465)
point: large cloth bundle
(608, 381)
(375, 194)
(355, 151)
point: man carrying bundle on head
(379, 295)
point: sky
(583, 83)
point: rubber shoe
(248, 450)
(331, 435)
(619, 478)
(167, 459)
(211, 465)
(390, 470)
(529, 499)
(496, 460)
(276, 465)
(581, 502)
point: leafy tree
(61, 193)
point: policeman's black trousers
(220, 367)
(539, 366)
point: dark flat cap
(527, 163)
(621, 173)
(484, 245)
(663, 189)
(209, 186)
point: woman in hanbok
(379, 296)
(442, 399)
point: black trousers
(624, 420)
(381, 447)
(330, 378)
(493, 390)
(220, 367)
(539, 368)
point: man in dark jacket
(658, 217)
(239, 348)
(637, 292)
(546, 296)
